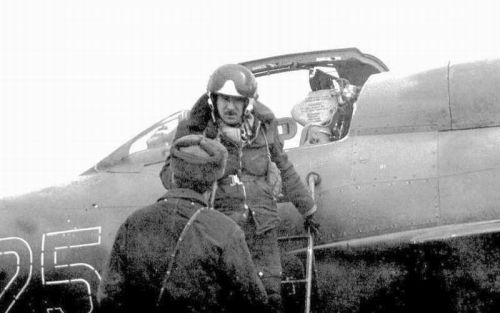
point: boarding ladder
(313, 179)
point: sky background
(79, 78)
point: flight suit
(212, 270)
(249, 198)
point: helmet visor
(233, 80)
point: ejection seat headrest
(317, 108)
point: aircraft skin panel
(58, 258)
(400, 104)
(394, 157)
(474, 94)
(365, 159)
(470, 197)
(332, 161)
(362, 209)
(355, 189)
(23, 221)
(469, 171)
(88, 191)
(472, 150)
(64, 247)
(63, 235)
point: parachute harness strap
(267, 146)
(212, 107)
(175, 252)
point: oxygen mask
(233, 133)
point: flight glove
(311, 224)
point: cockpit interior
(326, 111)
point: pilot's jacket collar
(187, 194)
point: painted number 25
(58, 266)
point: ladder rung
(294, 281)
(298, 237)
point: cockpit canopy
(311, 94)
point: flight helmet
(233, 80)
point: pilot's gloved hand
(311, 224)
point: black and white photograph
(249, 156)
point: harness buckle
(235, 180)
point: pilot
(178, 255)
(256, 168)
